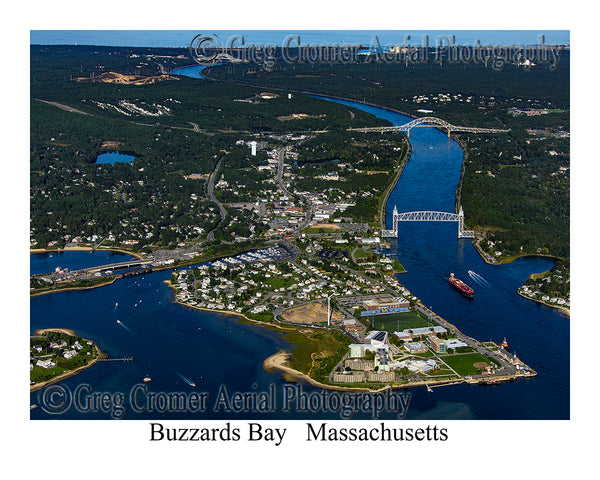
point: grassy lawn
(362, 253)
(39, 374)
(441, 372)
(312, 230)
(395, 322)
(328, 348)
(427, 354)
(463, 364)
(278, 282)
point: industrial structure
(429, 216)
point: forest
(174, 128)
(515, 186)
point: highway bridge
(115, 266)
(428, 122)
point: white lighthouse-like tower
(395, 221)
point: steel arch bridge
(428, 122)
(429, 216)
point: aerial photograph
(299, 225)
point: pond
(114, 157)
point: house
(47, 363)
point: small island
(57, 353)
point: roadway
(210, 190)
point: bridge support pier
(429, 216)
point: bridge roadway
(428, 122)
(114, 266)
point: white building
(45, 363)
(253, 148)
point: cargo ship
(461, 286)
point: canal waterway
(176, 346)
(431, 251)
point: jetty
(124, 359)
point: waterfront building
(348, 377)
(47, 363)
(417, 332)
(453, 343)
(381, 376)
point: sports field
(396, 322)
(467, 364)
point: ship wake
(479, 279)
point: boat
(461, 286)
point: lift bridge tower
(429, 216)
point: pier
(124, 359)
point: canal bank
(166, 339)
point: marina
(494, 313)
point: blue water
(114, 157)
(48, 262)
(192, 72)
(169, 342)
(431, 251)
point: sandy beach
(278, 362)
(279, 359)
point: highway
(210, 191)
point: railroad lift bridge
(428, 216)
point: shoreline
(277, 360)
(566, 311)
(70, 289)
(71, 373)
(85, 249)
